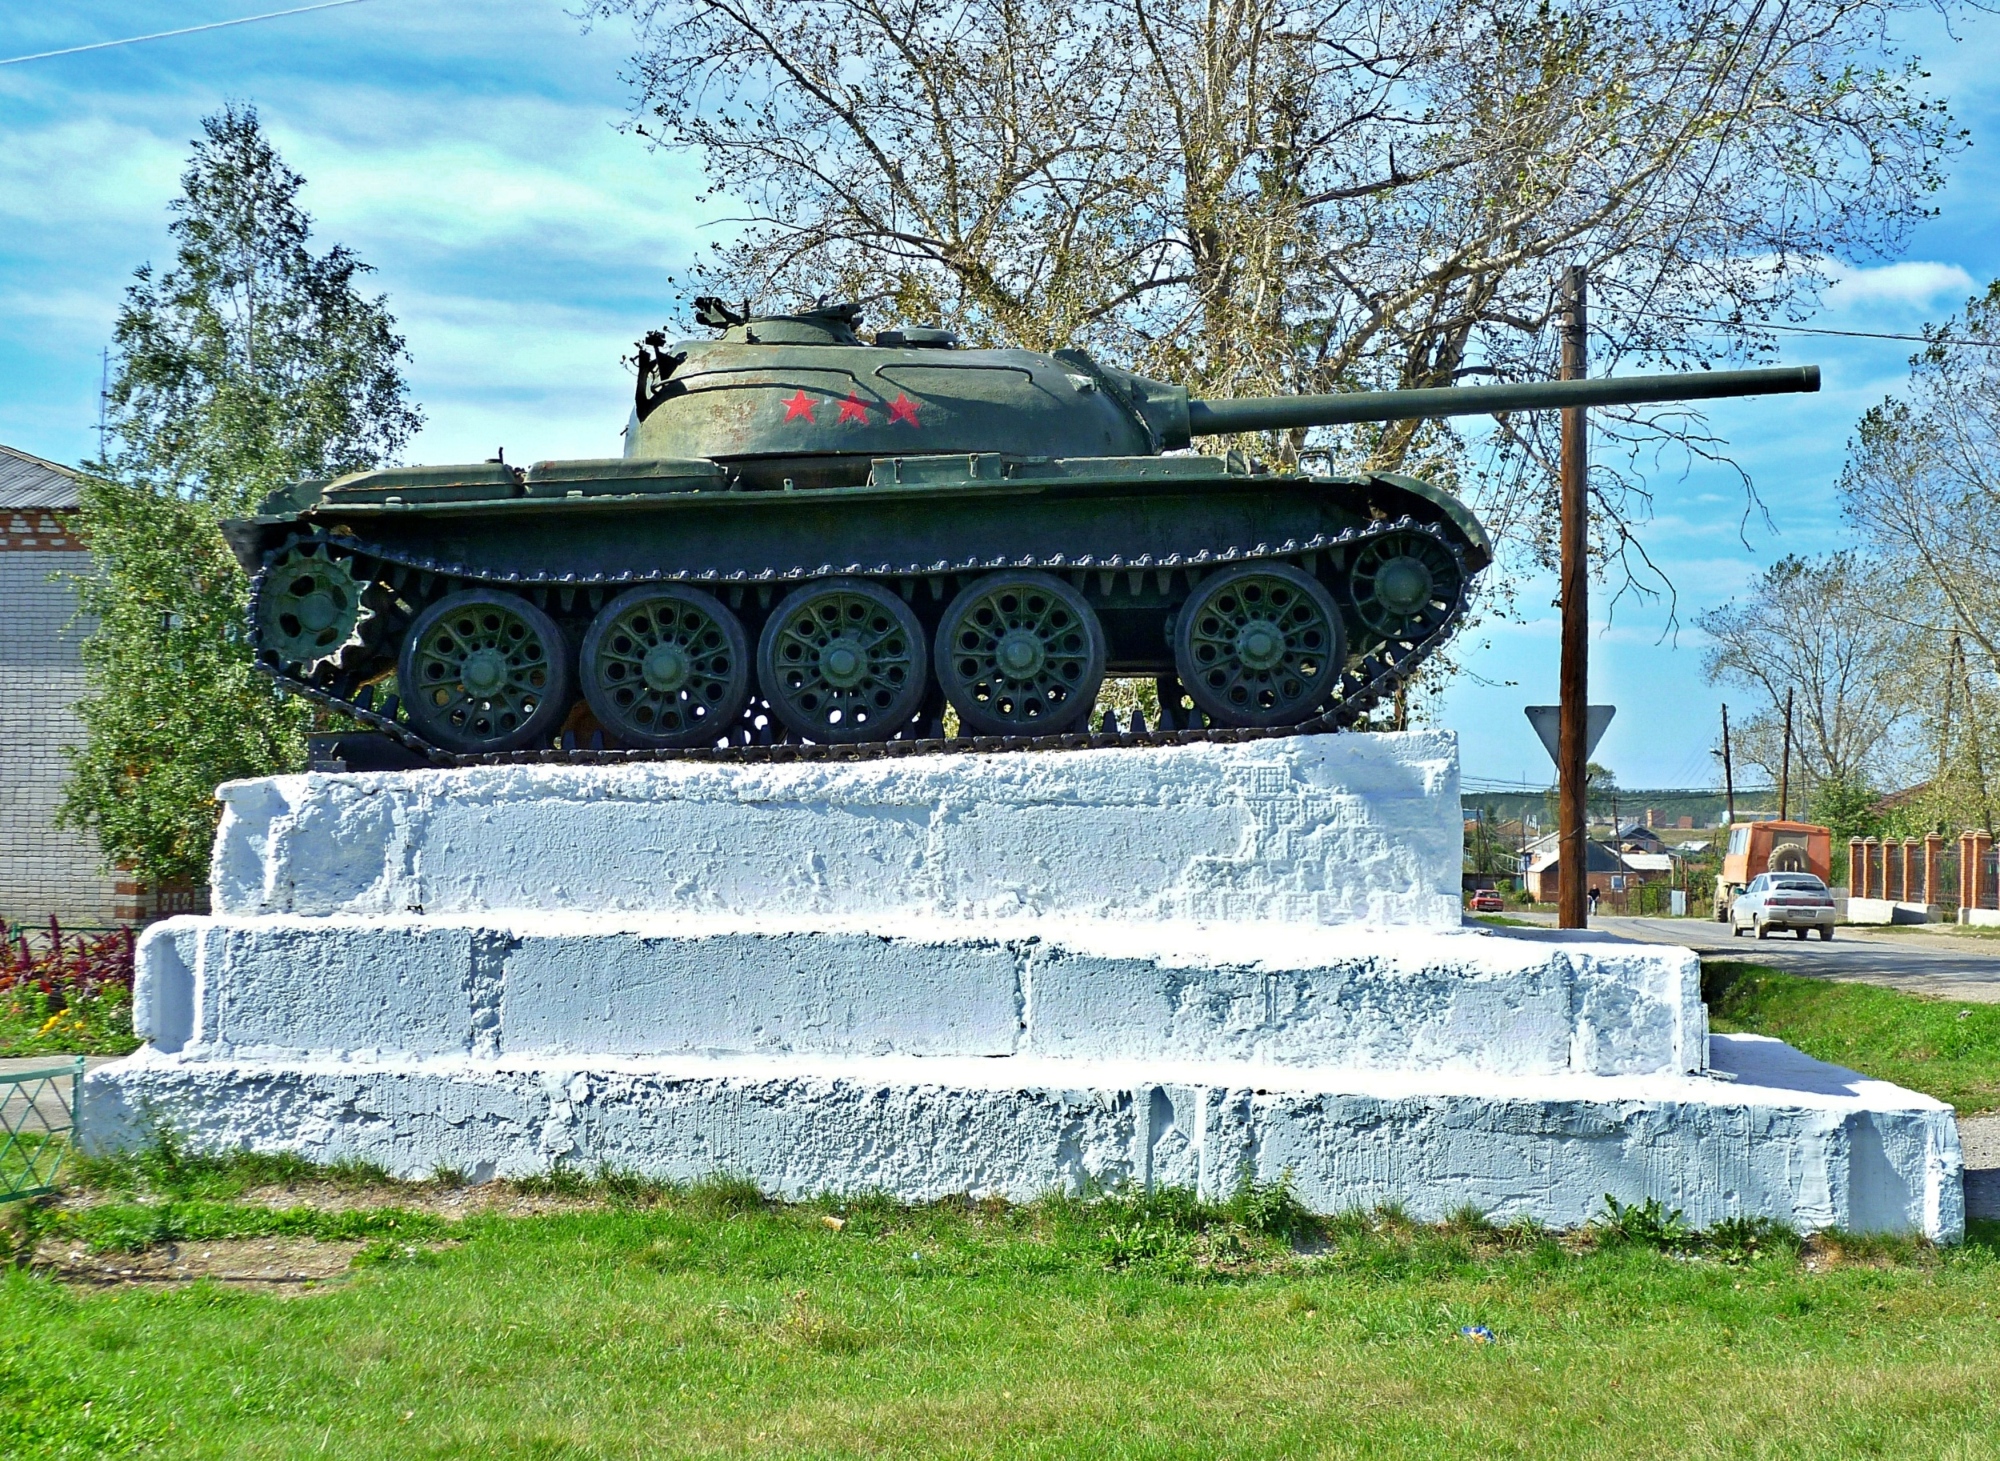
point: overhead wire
(1753, 326)
(186, 30)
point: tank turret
(819, 545)
(803, 397)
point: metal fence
(39, 1108)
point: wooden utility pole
(1785, 765)
(1728, 775)
(1573, 871)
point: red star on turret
(902, 409)
(852, 409)
(799, 405)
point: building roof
(28, 481)
(1598, 857)
(1649, 862)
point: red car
(1488, 901)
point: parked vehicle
(1486, 900)
(1770, 847)
(1798, 901)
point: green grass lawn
(643, 1321)
(652, 1322)
(1939, 1046)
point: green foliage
(165, 1169)
(249, 363)
(33, 1023)
(123, 1227)
(1272, 1209)
(1847, 806)
(1648, 1224)
(1939, 1046)
(252, 361)
(1741, 1240)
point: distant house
(1640, 837)
(43, 870)
(1611, 869)
(1543, 861)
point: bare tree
(1810, 628)
(1922, 486)
(1282, 195)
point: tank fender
(1479, 553)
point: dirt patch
(494, 1199)
(497, 1199)
(276, 1265)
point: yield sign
(1547, 721)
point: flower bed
(65, 991)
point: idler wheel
(1020, 653)
(1403, 584)
(665, 666)
(843, 660)
(484, 670)
(309, 606)
(1259, 645)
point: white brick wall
(43, 869)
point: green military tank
(815, 544)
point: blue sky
(471, 152)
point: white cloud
(1912, 284)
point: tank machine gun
(814, 544)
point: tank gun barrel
(1279, 413)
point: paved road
(1945, 966)
(1936, 964)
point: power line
(1752, 327)
(188, 30)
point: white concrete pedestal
(972, 974)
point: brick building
(44, 869)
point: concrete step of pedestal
(1788, 1137)
(1312, 829)
(555, 983)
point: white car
(1798, 901)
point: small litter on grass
(1477, 1334)
(836, 1223)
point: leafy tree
(249, 363)
(1846, 807)
(1600, 794)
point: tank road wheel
(665, 667)
(309, 605)
(1403, 584)
(843, 660)
(1259, 645)
(1020, 653)
(484, 670)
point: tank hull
(1133, 538)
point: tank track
(1363, 687)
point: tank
(815, 544)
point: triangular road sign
(1547, 721)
